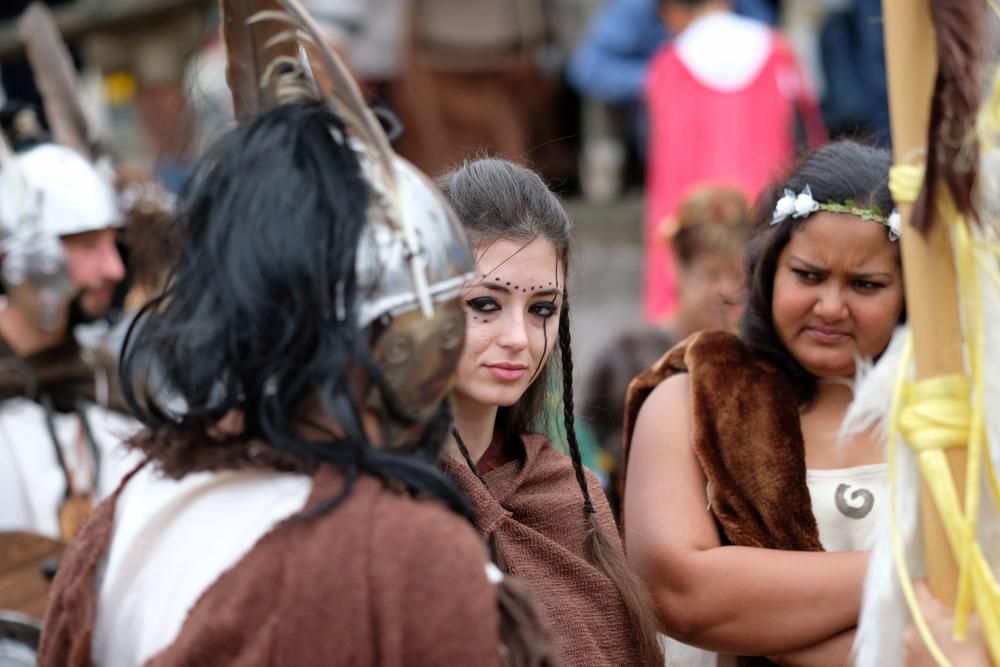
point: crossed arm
(798, 607)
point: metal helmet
(47, 192)
(418, 329)
(414, 257)
(53, 189)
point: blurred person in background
(727, 103)
(151, 52)
(477, 81)
(839, 44)
(855, 99)
(608, 67)
(462, 77)
(60, 419)
(148, 243)
(707, 239)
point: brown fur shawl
(747, 437)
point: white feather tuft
(873, 390)
(884, 614)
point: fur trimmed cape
(747, 437)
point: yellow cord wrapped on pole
(946, 412)
(929, 274)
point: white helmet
(48, 192)
(52, 189)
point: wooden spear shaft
(928, 265)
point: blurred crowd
(569, 86)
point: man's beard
(78, 315)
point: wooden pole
(928, 265)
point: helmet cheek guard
(36, 279)
(417, 352)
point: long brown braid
(602, 550)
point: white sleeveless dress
(844, 501)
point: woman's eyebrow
(857, 274)
(808, 265)
(507, 288)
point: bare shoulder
(669, 402)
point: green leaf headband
(803, 205)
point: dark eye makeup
(483, 304)
(488, 304)
(544, 309)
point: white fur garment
(884, 614)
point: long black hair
(255, 330)
(498, 200)
(842, 171)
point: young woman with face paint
(543, 514)
(735, 468)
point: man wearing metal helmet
(289, 511)
(58, 264)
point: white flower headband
(802, 205)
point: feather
(6, 153)
(253, 44)
(873, 388)
(337, 84)
(884, 614)
(259, 40)
(56, 79)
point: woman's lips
(507, 372)
(827, 336)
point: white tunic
(172, 540)
(843, 502)
(32, 483)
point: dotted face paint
(512, 319)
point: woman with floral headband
(737, 481)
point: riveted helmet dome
(385, 276)
(53, 190)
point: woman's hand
(941, 621)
